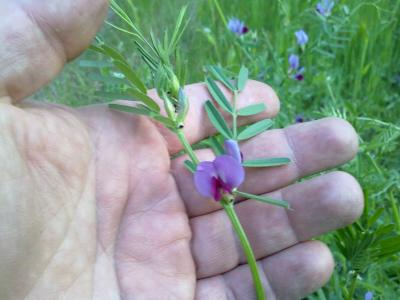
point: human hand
(93, 208)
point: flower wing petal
(232, 149)
(205, 171)
(229, 170)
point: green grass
(352, 71)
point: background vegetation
(352, 71)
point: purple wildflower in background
(325, 7)
(368, 296)
(237, 27)
(294, 63)
(299, 119)
(302, 37)
(222, 175)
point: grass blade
(242, 78)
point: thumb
(39, 37)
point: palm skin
(93, 208)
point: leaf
(190, 166)
(218, 95)
(218, 74)
(145, 99)
(131, 75)
(114, 54)
(113, 95)
(216, 146)
(164, 120)
(217, 120)
(267, 200)
(255, 129)
(94, 64)
(139, 110)
(242, 78)
(266, 162)
(252, 109)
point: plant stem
(353, 285)
(230, 211)
(221, 14)
(234, 115)
(395, 209)
(251, 260)
(188, 148)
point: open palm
(93, 208)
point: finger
(197, 125)
(290, 274)
(38, 37)
(312, 147)
(319, 205)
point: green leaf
(113, 95)
(94, 64)
(190, 166)
(139, 110)
(145, 99)
(218, 74)
(217, 120)
(215, 145)
(254, 129)
(167, 122)
(131, 75)
(267, 200)
(114, 54)
(266, 162)
(252, 109)
(242, 78)
(218, 95)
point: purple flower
(302, 37)
(368, 296)
(294, 66)
(299, 119)
(325, 7)
(294, 61)
(237, 27)
(232, 149)
(222, 175)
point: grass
(352, 71)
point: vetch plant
(219, 179)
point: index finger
(198, 127)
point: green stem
(234, 115)
(188, 148)
(230, 211)
(251, 260)
(353, 285)
(395, 209)
(220, 12)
